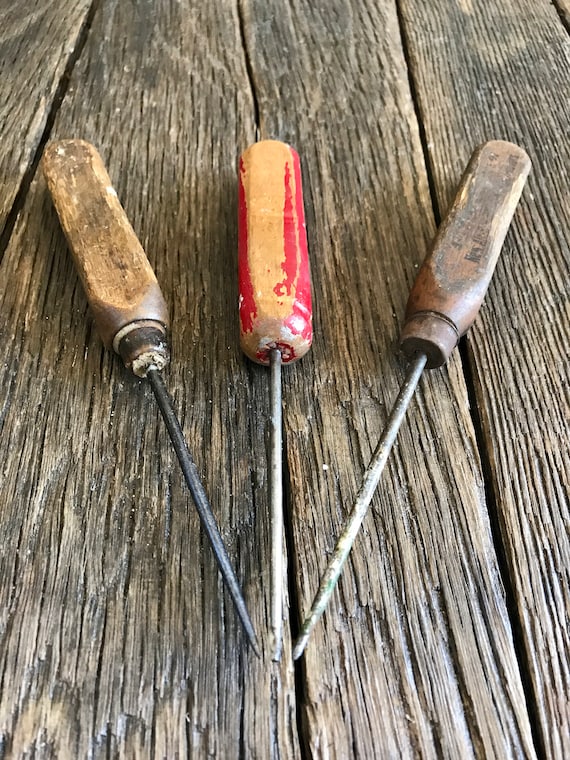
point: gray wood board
(514, 59)
(37, 39)
(414, 655)
(116, 637)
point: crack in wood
(30, 173)
(407, 52)
(493, 511)
(249, 66)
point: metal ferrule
(142, 346)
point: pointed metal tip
(255, 647)
(203, 506)
(363, 499)
(300, 644)
(245, 620)
(276, 645)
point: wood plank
(116, 638)
(514, 59)
(37, 40)
(415, 655)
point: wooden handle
(274, 278)
(128, 307)
(454, 278)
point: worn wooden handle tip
(128, 308)
(273, 264)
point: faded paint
(247, 308)
(274, 276)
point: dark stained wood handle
(128, 307)
(454, 277)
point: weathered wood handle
(454, 278)
(274, 277)
(127, 305)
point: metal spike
(202, 504)
(363, 499)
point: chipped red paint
(286, 350)
(247, 307)
(299, 323)
(296, 263)
(275, 301)
(290, 223)
(302, 307)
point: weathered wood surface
(514, 60)
(415, 653)
(116, 638)
(37, 41)
(116, 635)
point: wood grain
(452, 282)
(119, 283)
(273, 264)
(415, 655)
(116, 638)
(37, 39)
(514, 60)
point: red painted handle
(273, 263)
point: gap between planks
(61, 90)
(563, 9)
